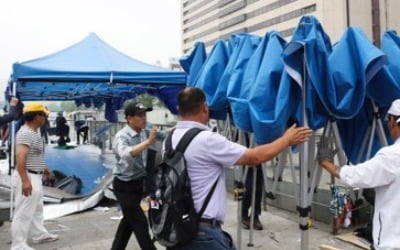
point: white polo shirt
(206, 157)
(381, 172)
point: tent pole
(240, 176)
(12, 155)
(253, 197)
(317, 170)
(379, 126)
(253, 202)
(363, 144)
(278, 170)
(303, 207)
(371, 138)
(294, 179)
(338, 142)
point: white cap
(395, 109)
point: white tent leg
(303, 207)
(363, 144)
(12, 155)
(253, 199)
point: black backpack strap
(186, 139)
(181, 147)
(208, 198)
(168, 142)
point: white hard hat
(395, 109)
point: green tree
(69, 106)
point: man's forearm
(139, 148)
(331, 168)
(263, 153)
(21, 168)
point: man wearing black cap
(130, 147)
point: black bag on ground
(173, 218)
(70, 184)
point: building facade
(209, 20)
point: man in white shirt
(208, 155)
(382, 172)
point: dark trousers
(249, 187)
(129, 195)
(82, 132)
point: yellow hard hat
(36, 107)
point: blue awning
(92, 68)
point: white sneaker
(45, 238)
(23, 246)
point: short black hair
(190, 101)
(29, 116)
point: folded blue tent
(273, 95)
(210, 74)
(336, 79)
(193, 62)
(245, 68)
(384, 87)
(93, 68)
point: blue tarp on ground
(83, 162)
(93, 68)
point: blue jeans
(210, 238)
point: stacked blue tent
(272, 84)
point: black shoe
(257, 224)
(245, 222)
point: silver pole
(253, 202)
(363, 144)
(294, 179)
(371, 139)
(317, 169)
(12, 155)
(239, 192)
(303, 207)
(379, 127)
(338, 142)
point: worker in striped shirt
(28, 217)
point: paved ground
(95, 230)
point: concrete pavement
(94, 229)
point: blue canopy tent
(245, 68)
(242, 47)
(90, 68)
(382, 89)
(333, 84)
(272, 102)
(193, 62)
(210, 74)
(91, 72)
(320, 83)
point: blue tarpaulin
(245, 67)
(210, 74)
(335, 79)
(343, 81)
(273, 101)
(193, 62)
(93, 68)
